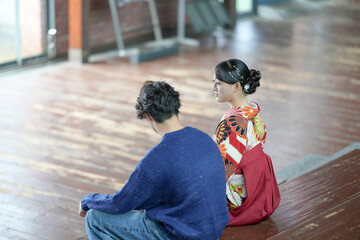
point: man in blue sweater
(177, 191)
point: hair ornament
(237, 72)
(246, 87)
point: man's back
(187, 170)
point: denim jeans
(128, 226)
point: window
(23, 30)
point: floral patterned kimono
(240, 131)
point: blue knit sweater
(180, 182)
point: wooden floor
(321, 204)
(67, 130)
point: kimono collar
(244, 111)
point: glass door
(246, 7)
(270, 1)
(23, 30)
(7, 32)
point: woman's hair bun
(252, 82)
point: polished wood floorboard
(67, 129)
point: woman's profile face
(224, 92)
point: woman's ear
(237, 87)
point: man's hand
(82, 213)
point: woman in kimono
(251, 189)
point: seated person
(251, 188)
(177, 191)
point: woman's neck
(240, 101)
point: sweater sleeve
(138, 193)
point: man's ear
(148, 117)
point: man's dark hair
(158, 100)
